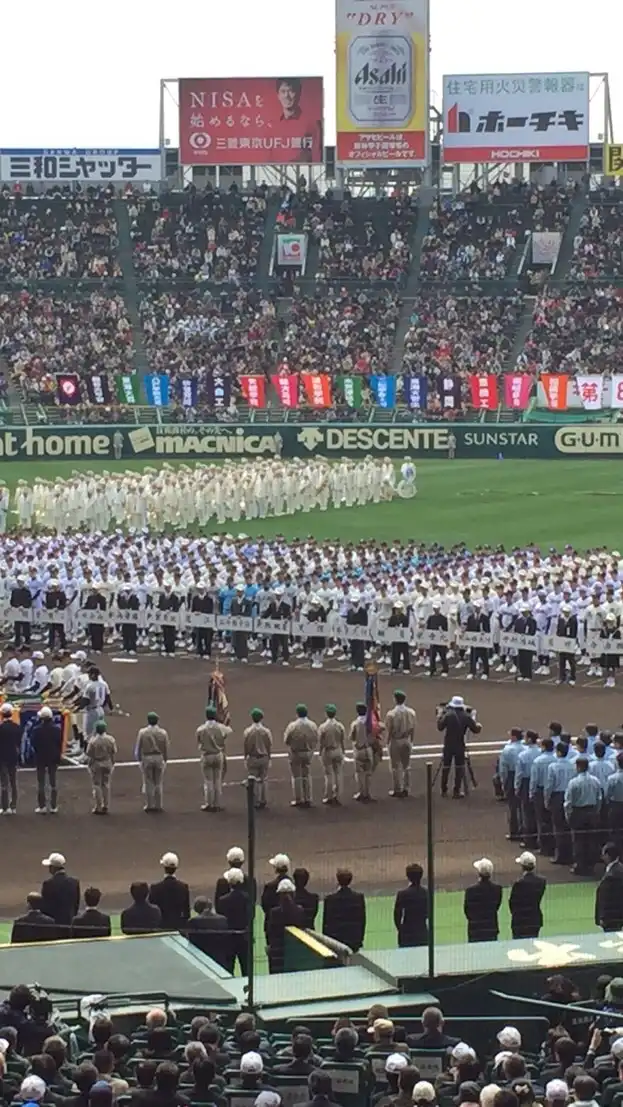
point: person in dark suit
(91, 923)
(235, 860)
(209, 932)
(281, 865)
(307, 900)
(35, 925)
(171, 895)
(237, 909)
(481, 905)
(10, 745)
(60, 892)
(344, 914)
(286, 913)
(142, 917)
(525, 899)
(433, 1035)
(47, 746)
(609, 893)
(411, 910)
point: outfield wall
(331, 440)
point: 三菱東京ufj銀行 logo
(593, 440)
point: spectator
(556, 1094)
(35, 925)
(320, 1091)
(302, 1063)
(85, 1076)
(584, 1091)
(424, 1094)
(104, 1062)
(142, 917)
(91, 923)
(432, 1036)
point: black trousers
(453, 753)
(240, 643)
(528, 819)
(513, 805)
(22, 631)
(476, 655)
(96, 637)
(615, 822)
(562, 836)
(400, 655)
(566, 660)
(46, 776)
(435, 653)
(169, 635)
(8, 786)
(357, 653)
(584, 824)
(279, 643)
(203, 641)
(524, 664)
(543, 823)
(56, 633)
(129, 636)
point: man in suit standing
(237, 908)
(35, 925)
(481, 905)
(307, 900)
(411, 910)
(209, 932)
(609, 894)
(286, 913)
(141, 917)
(235, 860)
(171, 895)
(60, 892)
(280, 863)
(344, 914)
(91, 923)
(525, 899)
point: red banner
(254, 390)
(251, 121)
(484, 389)
(317, 389)
(286, 386)
(517, 389)
(555, 386)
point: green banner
(332, 440)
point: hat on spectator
(423, 1090)
(32, 1087)
(4, 1045)
(54, 861)
(616, 1049)
(235, 855)
(462, 1052)
(280, 861)
(267, 1099)
(7, 709)
(396, 1062)
(556, 1089)
(381, 1026)
(251, 1062)
(469, 1092)
(285, 886)
(509, 1037)
(169, 861)
(234, 876)
(526, 859)
(457, 701)
(484, 867)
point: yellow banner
(613, 160)
(382, 82)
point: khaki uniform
(101, 753)
(400, 726)
(258, 747)
(301, 738)
(152, 751)
(364, 745)
(211, 739)
(331, 736)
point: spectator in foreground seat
(34, 925)
(556, 1094)
(142, 917)
(302, 1063)
(91, 923)
(320, 1090)
(584, 1091)
(85, 1077)
(433, 1036)
(346, 1042)
(424, 1094)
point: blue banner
(416, 389)
(188, 391)
(384, 389)
(157, 389)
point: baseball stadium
(310, 464)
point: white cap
(526, 859)
(234, 876)
(251, 1062)
(32, 1087)
(280, 861)
(37, 656)
(45, 713)
(4, 1045)
(169, 861)
(55, 861)
(424, 1090)
(457, 701)
(616, 1049)
(235, 855)
(396, 1062)
(462, 1052)
(80, 655)
(7, 709)
(484, 867)
(556, 1089)
(509, 1037)
(285, 886)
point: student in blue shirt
(530, 750)
(582, 806)
(506, 768)
(559, 773)
(538, 779)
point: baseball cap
(45, 713)
(616, 1049)
(55, 860)
(456, 701)
(462, 1052)
(267, 1099)
(526, 859)
(7, 709)
(169, 860)
(80, 655)
(509, 1037)
(37, 656)
(396, 1062)
(285, 886)
(251, 1062)
(280, 861)
(234, 876)
(32, 1087)
(235, 854)
(484, 867)
(384, 1026)
(423, 1090)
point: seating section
(338, 332)
(575, 332)
(48, 237)
(598, 246)
(363, 240)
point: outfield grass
(549, 503)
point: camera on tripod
(449, 706)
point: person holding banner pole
(525, 624)
(95, 601)
(478, 623)
(567, 628)
(610, 660)
(437, 622)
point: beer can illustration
(381, 80)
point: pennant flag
(98, 389)
(372, 701)
(616, 390)
(127, 388)
(157, 389)
(286, 386)
(555, 386)
(188, 391)
(317, 389)
(484, 390)
(68, 386)
(384, 389)
(217, 697)
(449, 392)
(591, 391)
(218, 391)
(254, 390)
(517, 389)
(352, 390)
(416, 391)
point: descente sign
(473, 440)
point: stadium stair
(578, 208)
(521, 334)
(266, 249)
(131, 292)
(422, 227)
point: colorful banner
(352, 389)
(517, 389)
(157, 389)
(188, 391)
(88, 166)
(26, 715)
(68, 387)
(616, 391)
(98, 389)
(515, 117)
(254, 390)
(484, 391)
(591, 391)
(384, 389)
(217, 390)
(382, 82)
(613, 160)
(286, 386)
(291, 249)
(555, 386)
(449, 392)
(127, 388)
(317, 389)
(251, 121)
(416, 391)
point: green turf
(512, 502)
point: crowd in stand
(340, 332)
(575, 331)
(460, 334)
(373, 246)
(598, 245)
(47, 238)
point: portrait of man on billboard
(298, 106)
(289, 96)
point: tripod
(469, 777)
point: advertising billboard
(251, 121)
(516, 117)
(92, 166)
(382, 82)
(613, 160)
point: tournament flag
(484, 390)
(616, 390)
(98, 389)
(68, 386)
(449, 392)
(517, 389)
(157, 389)
(591, 391)
(555, 387)
(217, 697)
(286, 386)
(352, 390)
(189, 392)
(372, 701)
(416, 391)
(384, 389)
(127, 388)
(218, 390)
(254, 390)
(317, 389)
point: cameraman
(455, 719)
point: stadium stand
(574, 331)
(47, 237)
(598, 245)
